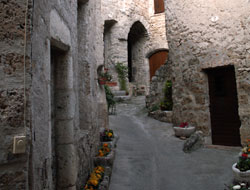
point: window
(159, 6)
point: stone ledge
(164, 116)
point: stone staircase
(120, 95)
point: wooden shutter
(159, 6)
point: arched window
(159, 6)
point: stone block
(67, 165)
(12, 180)
(65, 131)
(65, 104)
(164, 116)
(194, 142)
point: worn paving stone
(149, 156)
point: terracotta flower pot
(240, 176)
(111, 83)
(184, 132)
(102, 81)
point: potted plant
(105, 156)
(240, 186)
(107, 135)
(104, 150)
(111, 83)
(241, 169)
(95, 178)
(104, 77)
(184, 130)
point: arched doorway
(137, 67)
(156, 61)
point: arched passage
(156, 60)
(137, 66)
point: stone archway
(137, 65)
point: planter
(184, 132)
(105, 160)
(240, 176)
(248, 155)
(102, 81)
(111, 84)
(113, 142)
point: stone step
(119, 93)
(122, 98)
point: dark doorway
(57, 85)
(130, 76)
(156, 61)
(225, 121)
(54, 62)
(137, 38)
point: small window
(159, 6)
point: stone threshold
(221, 147)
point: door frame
(206, 71)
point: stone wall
(156, 91)
(201, 35)
(14, 167)
(65, 105)
(125, 14)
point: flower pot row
(105, 157)
(103, 81)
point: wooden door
(159, 6)
(225, 121)
(156, 61)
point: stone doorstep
(122, 98)
(164, 116)
(221, 147)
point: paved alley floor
(150, 157)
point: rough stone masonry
(202, 35)
(132, 23)
(58, 95)
(65, 106)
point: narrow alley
(65, 64)
(150, 157)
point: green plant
(122, 72)
(244, 160)
(167, 103)
(155, 107)
(109, 97)
(244, 163)
(106, 75)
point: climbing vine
(122, 72)
(167, 102)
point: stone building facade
(133, 32)
(206, 39)
(51, 96)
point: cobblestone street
(150, 157)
